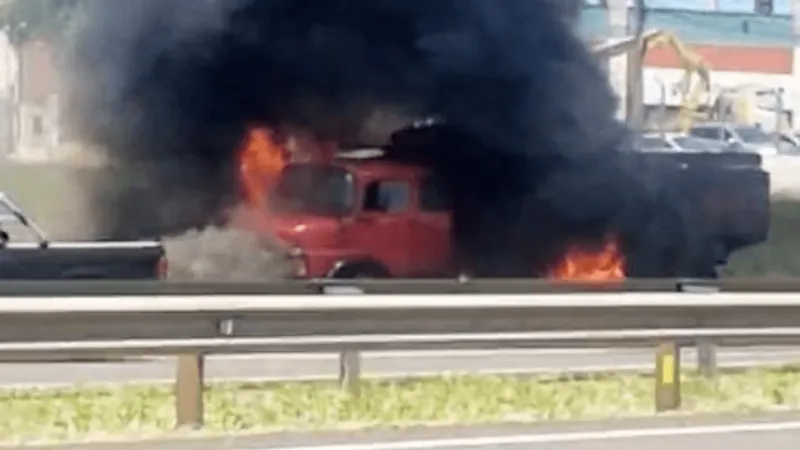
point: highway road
(768, 432)
(394, 364)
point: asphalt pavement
(389, 364)
(777, 431)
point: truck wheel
(85, 276)
(368, 275)
(362, 272)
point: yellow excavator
(695, 84)
(698, 102)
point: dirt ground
(55, 196)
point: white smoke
(223, 254)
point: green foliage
(35, 19)
(142, 411)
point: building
(742, 46)
(29, 118)
(37, 137)
(9, 91)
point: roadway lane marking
(219, 379)
(424, 354)
(389, 375)
(549, 438)
(431, 354)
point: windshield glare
(314, 190)
(753, 135)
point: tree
(37, 19)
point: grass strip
(79, 414)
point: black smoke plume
(530, 146)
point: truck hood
(294, 230)
(306, 232)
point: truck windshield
(313, 189)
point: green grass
(148, 411)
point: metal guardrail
(193, 325)
(86, 288)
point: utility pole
(662, 107)
(618, 64)
(794, 6)
(625, 70)
(795, 106)
(635, 97)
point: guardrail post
(706, 358)
(189, 391)
(350, 370)
(349, 360)
(668, 377)
(706, 350)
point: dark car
(41, 259)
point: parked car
(739, 138)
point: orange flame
(580, 264)
(261, 160)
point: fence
(87, 319)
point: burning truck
(525, 173)
(388, 211)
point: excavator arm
(692, 93)
(692, 64)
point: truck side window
(386, 196)
(433, 196)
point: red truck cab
(362, 216)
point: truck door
(381, 228)
(431, 229)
